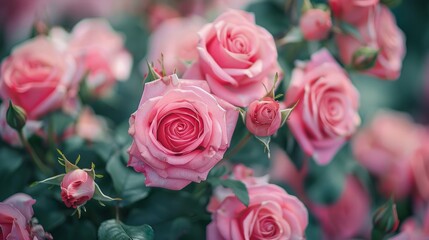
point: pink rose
(38, 77)
(237, 58)
(420, 167)
(315, 24)
(104, 56)
(352, 11)
(15, 215)
(326, 115)
(272, 214)
(77, 187)
(90, 126)
(385, 147)
(263, 117)
(9, 134)
(181, 52)
(180, 132)
(158, 13)
(412, 229)
(347, 217)
(378, 31)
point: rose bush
(180, 132)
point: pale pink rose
(15, 215)
(378, 31)
(9, 134)
(263, 117)
(237, 58)
(347, 217)
(38, 77)
(352, 11)
(420, 166)
(327, 112)
(386, 147)
(105, 58)
(181, 52)
(90, 126)
(77, 187)
(272, 214)
(315, 24)
(180, 132)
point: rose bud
(385, 219)
(364, 58)
(16, 117)
(263, 117)
(77, 187)
(315, 24)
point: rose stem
(239, 146)
(33, 154)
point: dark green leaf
(238, 188)
(114, 230)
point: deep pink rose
(38, 77)
(77, 187)
(104, 57)
(181, 52)
(385, 147)
(237, 58)
(326, 115)
(352, 11)
(9, 134)
(180, 132)
(347, 217)
(378, 31)
(15, 215)
(272, 214)
(315, 24)
(420, 166)
(263, 117)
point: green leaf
(115, 230)
(127, 183)
(238, 188)
(217, 172)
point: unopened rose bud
(364, 58)
(263, 117)
(77, 187)
(315, 24)
(16, 117)
(385, 219)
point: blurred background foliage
(182, 215)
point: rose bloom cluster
(44, 74)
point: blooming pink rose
(9, 134)
(378, 31)
(272, 214)
(315, 24)
(181, 52)
(263, 117)
(326, 115)
(237, 58)
(105, 58)
(420, 167)
(90, 126)
(158, 13)
(15, 215)
(385, 147)
(38, 77)
(352, 11)
(77, 187)
(180, 132)
(345, 218)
